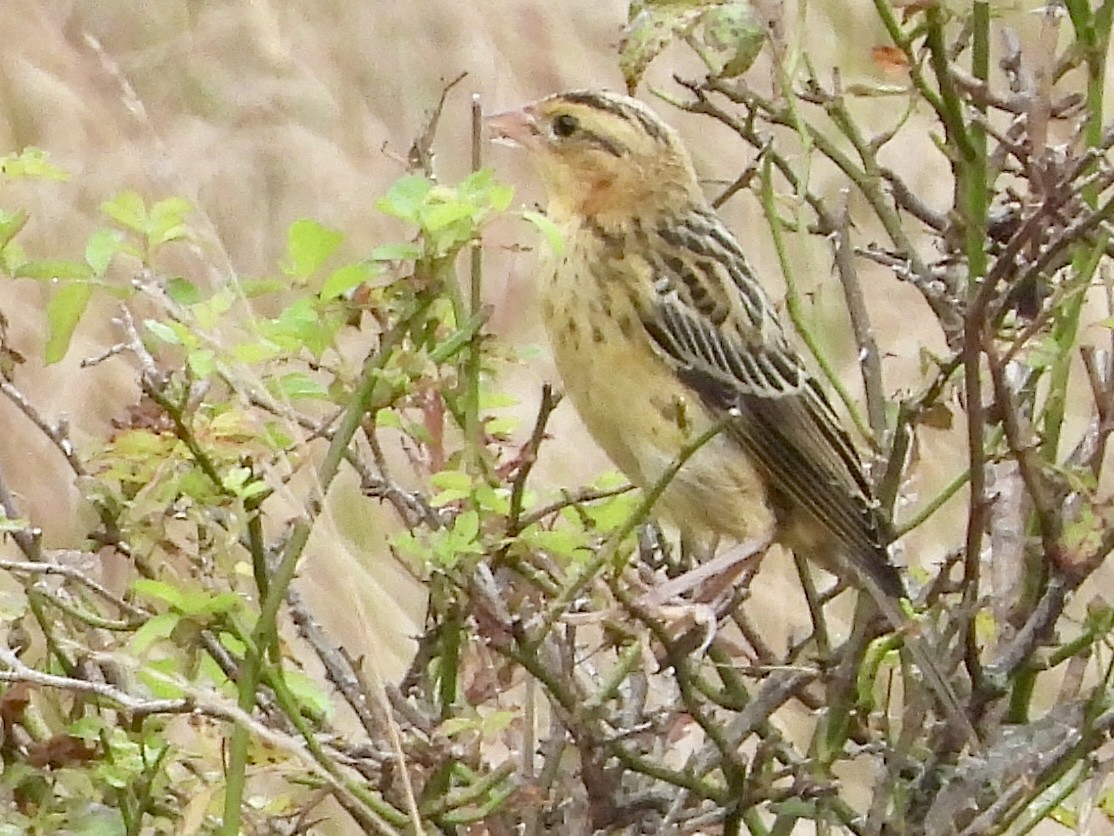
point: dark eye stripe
(597, 101)
(566, 127)
(613, 148)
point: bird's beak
(514, 127)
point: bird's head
(601, 154)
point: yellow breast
(633, 404)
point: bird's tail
(923, 647)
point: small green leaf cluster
(727, 35)
(241, 386)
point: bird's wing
(716, 327)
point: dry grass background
(260, 113)
(264, 111)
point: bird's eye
(565, 125)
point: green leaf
(308, 692)
(796, 808)
(48, 269)
(13, 605)
(276, 437)
(1100, 619)
(11, 524)
(1043, 354)
(500, 197)
(193, 602)
(345, 278)
(986, 625)
(159, 678)
(241, 482)
(159, 590)
(204, 602)
(298, 385)
(451, 480)
(167, 221)
(89, 728)
(202, 362)
(408, 544)
(500, 427)
(398, 251)
(12, 257)
(466, 527)
(115, 777)
(498, 721)
(406, 197)
(491, 399)
(1065, 817)
(183, 291)
(210, 311)
(387, 419)
(452, 486)
(63, 312)
(128, 210)
(650, 31)
(448, 547)
(732, 37)
(611, 479)
(308, 246)
(546, 227)
(233, 643)
(458, 725)
(164, 332)
(302, 324)
(33, 163)
(1106, 803)
(493, 499)
(559, 542)
(153, 629)
(482, 190)
(10, 225)
(258, 351)
(440, 216)
(608, 514)
(103, 244)
(254, 288)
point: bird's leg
(713, 577)
(710, 583)
(654, 550)
(695, 551)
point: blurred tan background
(259, 113)
(264, 111)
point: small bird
(661, 332)
(662, 335)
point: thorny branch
(567, 680)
